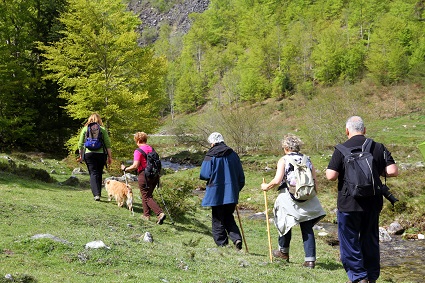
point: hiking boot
(144, 217)
(97, 198)
(161, 218)
(279, 254)
(238, 245)
(309, 264)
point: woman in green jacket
(95, 156)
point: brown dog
(121, 192)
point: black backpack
(153, 163)
(359, 180)
(94, 138)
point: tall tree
(100, 68)
(28, 106)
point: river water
(401, 260)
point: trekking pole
(126, 185)
(268, 225)
(240, 224)
(159, 191)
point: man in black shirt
(358, 218)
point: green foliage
(388, 59)
(250, 51)
(29, 106)
(25, 171)
(177, 192)
(100, 68)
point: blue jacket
(222, 169)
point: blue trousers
(358, 234)
(309, 240)
(224, 225)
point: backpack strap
(290, 160)
(144, 154)
(366, 147)
(343, 149)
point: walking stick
(268, 225)
(128, 189)
(159, 191)
(240, 224)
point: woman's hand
(265, 186)
(122, 167)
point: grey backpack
(304, 188)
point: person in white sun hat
(222, 169)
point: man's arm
(332, 175)
(391, 170)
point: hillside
(173, 13)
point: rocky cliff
(177, 16)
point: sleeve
(336, 161)
(81, 139)
(206, 170)
(137, 155)
(241, 175)
(106, 138)
(389, 159)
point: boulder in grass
(96, 245)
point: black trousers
(95, 163)
(224, 225)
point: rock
(383, 235)
(176, 16)
(71, 181)
(96, 245)
(413, 236)
(50, 236)
(79, 171)
(395, 229)
(148, 237)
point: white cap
(215, 138)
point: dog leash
(128, 190)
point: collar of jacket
(219, 150)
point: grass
(184, 252)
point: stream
(401, 260)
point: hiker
(95, 158)
(146, 185)
(288, 210)
(358, 217)
(222, 169)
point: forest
(62, 60)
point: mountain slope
(175, 14)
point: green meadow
(183, 251)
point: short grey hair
(355, 124)
(292, 142)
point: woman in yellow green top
(95, 159)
